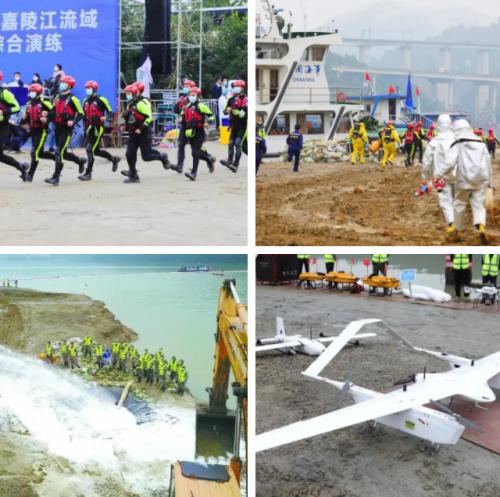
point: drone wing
(277, 346)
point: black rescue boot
(191, 176)
(115, 161)
(165, 161)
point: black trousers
(181, 148)
(6, 159)
(63, 138)
(379, 268)
(410, 153)
(490, 280)
(94, 137)
(235, 139)
(198, 151)
(302, 263)
(419, 148)
(462, 277)
(38, 139)
(492, 148)
(295, 157)
(148, 154)
(329, 268)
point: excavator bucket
(215, 433)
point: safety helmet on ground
(195, 90)
(92, 84)
(69, 80)
(132, 89)
(239, 83)
(37, 88)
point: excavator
(216, 422)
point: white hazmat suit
(434, 160)
(468, 165)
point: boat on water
(198, 268)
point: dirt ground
(341, 204)
(29, 318)
(362, 461)
(164, 209)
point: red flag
(366, 262)
(367, 76)
(392, 90)
(418, 91)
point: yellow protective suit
(358, 137)
(390, 141)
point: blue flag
(409, 94)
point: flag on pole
(367, 76)
(409, 94)
(143, 74)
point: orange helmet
(132, 89)
(196, 90)
(92, 84)
(140, 86)
(69, 80)
(239, 83)
(36, 88)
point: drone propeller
(458, 417)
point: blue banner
(408, 275)
(81, 35)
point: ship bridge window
(281, 125)
(311, 124)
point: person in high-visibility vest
(99, 353)
(49, 352)
(115, 351)
(329, 265)
(73, 356)
(379, 266)
(490, 265)
(87, 346)
(64, 353)
(302, 261)
(462, 274)
(182, 378)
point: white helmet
(461, 125)
(444, 123)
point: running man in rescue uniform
(181, 140)
(195, 117)
(411, 138)
(36, 117)
(358, 138)
(419, 141)
(138, 118)
(237, 108)
(67, 111)
(8, 106)
(96, 109)
(390, 141)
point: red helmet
(189, 83)
(411, 126)
(420, 124)
(491, 130)
(36, 88)
(478, 132)
(239, 83)
(140, 86)
(69, 80)
(132, 89)
(92, 84)
(432, 126)
(1, 75)
(196, 90)
(390, 123)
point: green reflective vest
(49, 350)
(380, 258)
(490, 265)
(87, 341)
(182, 375)
(303, 256)
(72, 350)
(64, 348)
(99, 351)
(115, 348)
(329, 258)
(460, 261)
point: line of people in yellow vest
(152, 368)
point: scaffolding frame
(188, 23)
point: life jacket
(63, 110)
(491, 138)
(409, 137)
(135, 118)
(193, 117)
(181, 103)
(4, 106)
(34, 111)
(93, 112)
(241, 103)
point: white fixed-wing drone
(403, 409)
(298, 343)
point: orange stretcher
(311, 277)
(382, 282)
(341, 278)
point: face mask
(16, 78)
(36, 78)
(224, 83)
(237, 90)
(32, 94)
(129, 97)
(89, 91)
(63, 87)
(192, 98)
(185, 90)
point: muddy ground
(28, 318)
(361, 461)
(164, 209)
(342, 204)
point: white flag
(143, 74)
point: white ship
(291, 81)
